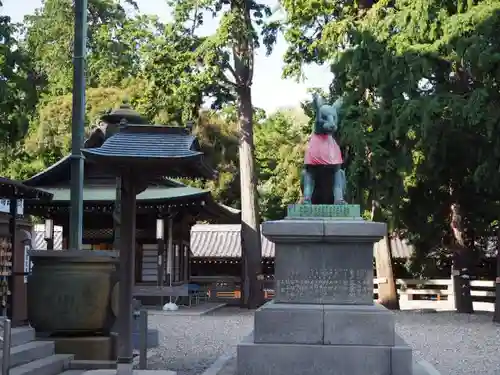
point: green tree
(18, 85)
(115, 45)
(280, 145)
(49, 136)
(218, 135)
(227, 59)
(421, 127)
(118, 47)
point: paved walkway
(194, 310)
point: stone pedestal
(88, 348)
(323, 320)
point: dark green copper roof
(170, 149)
(152, 198)
(59, 174)
(108, 193)
(12, 189)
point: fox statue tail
(344, 181)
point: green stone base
(324, 211)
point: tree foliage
(280, 146)
(419, 78)
(114, 44)
(18, 85)
(420, 127)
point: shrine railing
(432, 293)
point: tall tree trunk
(387, 292)
(461, 261)
(252, 296)
(496, 316)
(251, 247)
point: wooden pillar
(177, 257)
(127, 253)
(189, 264)
(13, 240)
(49, 233)
(138, 263)
(160, 239)
(186, 264)
(170, 250)
(181, 263)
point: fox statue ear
(338, 103)
(318, 101)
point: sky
(269, 91)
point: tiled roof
(59, 173)
(400, 248)
(60, 170)
(223, 241)
(150, 144)
(151, 141)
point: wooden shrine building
(216, 251)
(15, 236)
(186, 204)
(163, 207)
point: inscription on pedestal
(345, 284)
(324, 211)
(324, 273)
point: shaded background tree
(227, 59)
(419, 129)
(419, 79)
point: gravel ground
(190, 344)
(456, 344)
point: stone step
(74, 372)
(82, 364)
(51, 365)
(19, 336)
(29, 352)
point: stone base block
(87, 348)
(401, 357)
(280, 323)
(304, 359)
(324, 261)
(229, 367)
(358, 325)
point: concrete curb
(421, 367)
(186, 312)
(219, 363)
(212, 309)
(425, 368)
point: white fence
(438, 294)
(435, 294)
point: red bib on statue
(322, 150)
